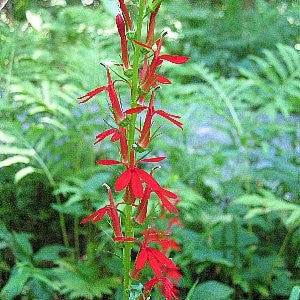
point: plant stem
(134, 97)
(76, 237)
(52, 183)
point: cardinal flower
(145, 136)
(121, 29)
(150, 33)
(163, 194)
(111, 211)
(151, 78)
(167, 287)
(133, 177)
(115, 102)
(162, 237)
(117, 135)
(157, 261)
(125, 14)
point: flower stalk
(136, 183)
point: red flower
(150, 34)
(150, 77)
(115, 102)
(145, 137)
(111, 210)
(167, 287)
(125, 14)
(162, 194)
(162, 238)
(92, 94)
(133, 177)
(122, 33)
(117, 135)
(157, 261)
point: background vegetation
(236, 166)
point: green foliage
(276, 80)
(236, 167)
(212, 290)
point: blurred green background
(235, 166)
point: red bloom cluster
(138, 185)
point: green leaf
(14, 150)
(49, 253)
(15, 284)
(212, 290)
(14, 160)
(295, 294)
(192, 290)
(21, 246)
(24, 172)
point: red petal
(154, 264)
(135, 110)
(175, 59)
(148, 179)
(142, 45)
(123, 180)
(168, 194)
(153, 159)
(100, 212)
(103, 135)
(91, 94)
(100, 215)
(107, 162)
(115, 220)
(162, 79)
(136, 185)
(167, 116)
(166, 203)
(149, 285)
(142, 209)
(141, 259)
(162, 258)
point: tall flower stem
(134, 97)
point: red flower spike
(121, 29)
(88, 96)
(125, 14)
(111, 210)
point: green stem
(52, 184)
(76, 237)
(134, 98)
